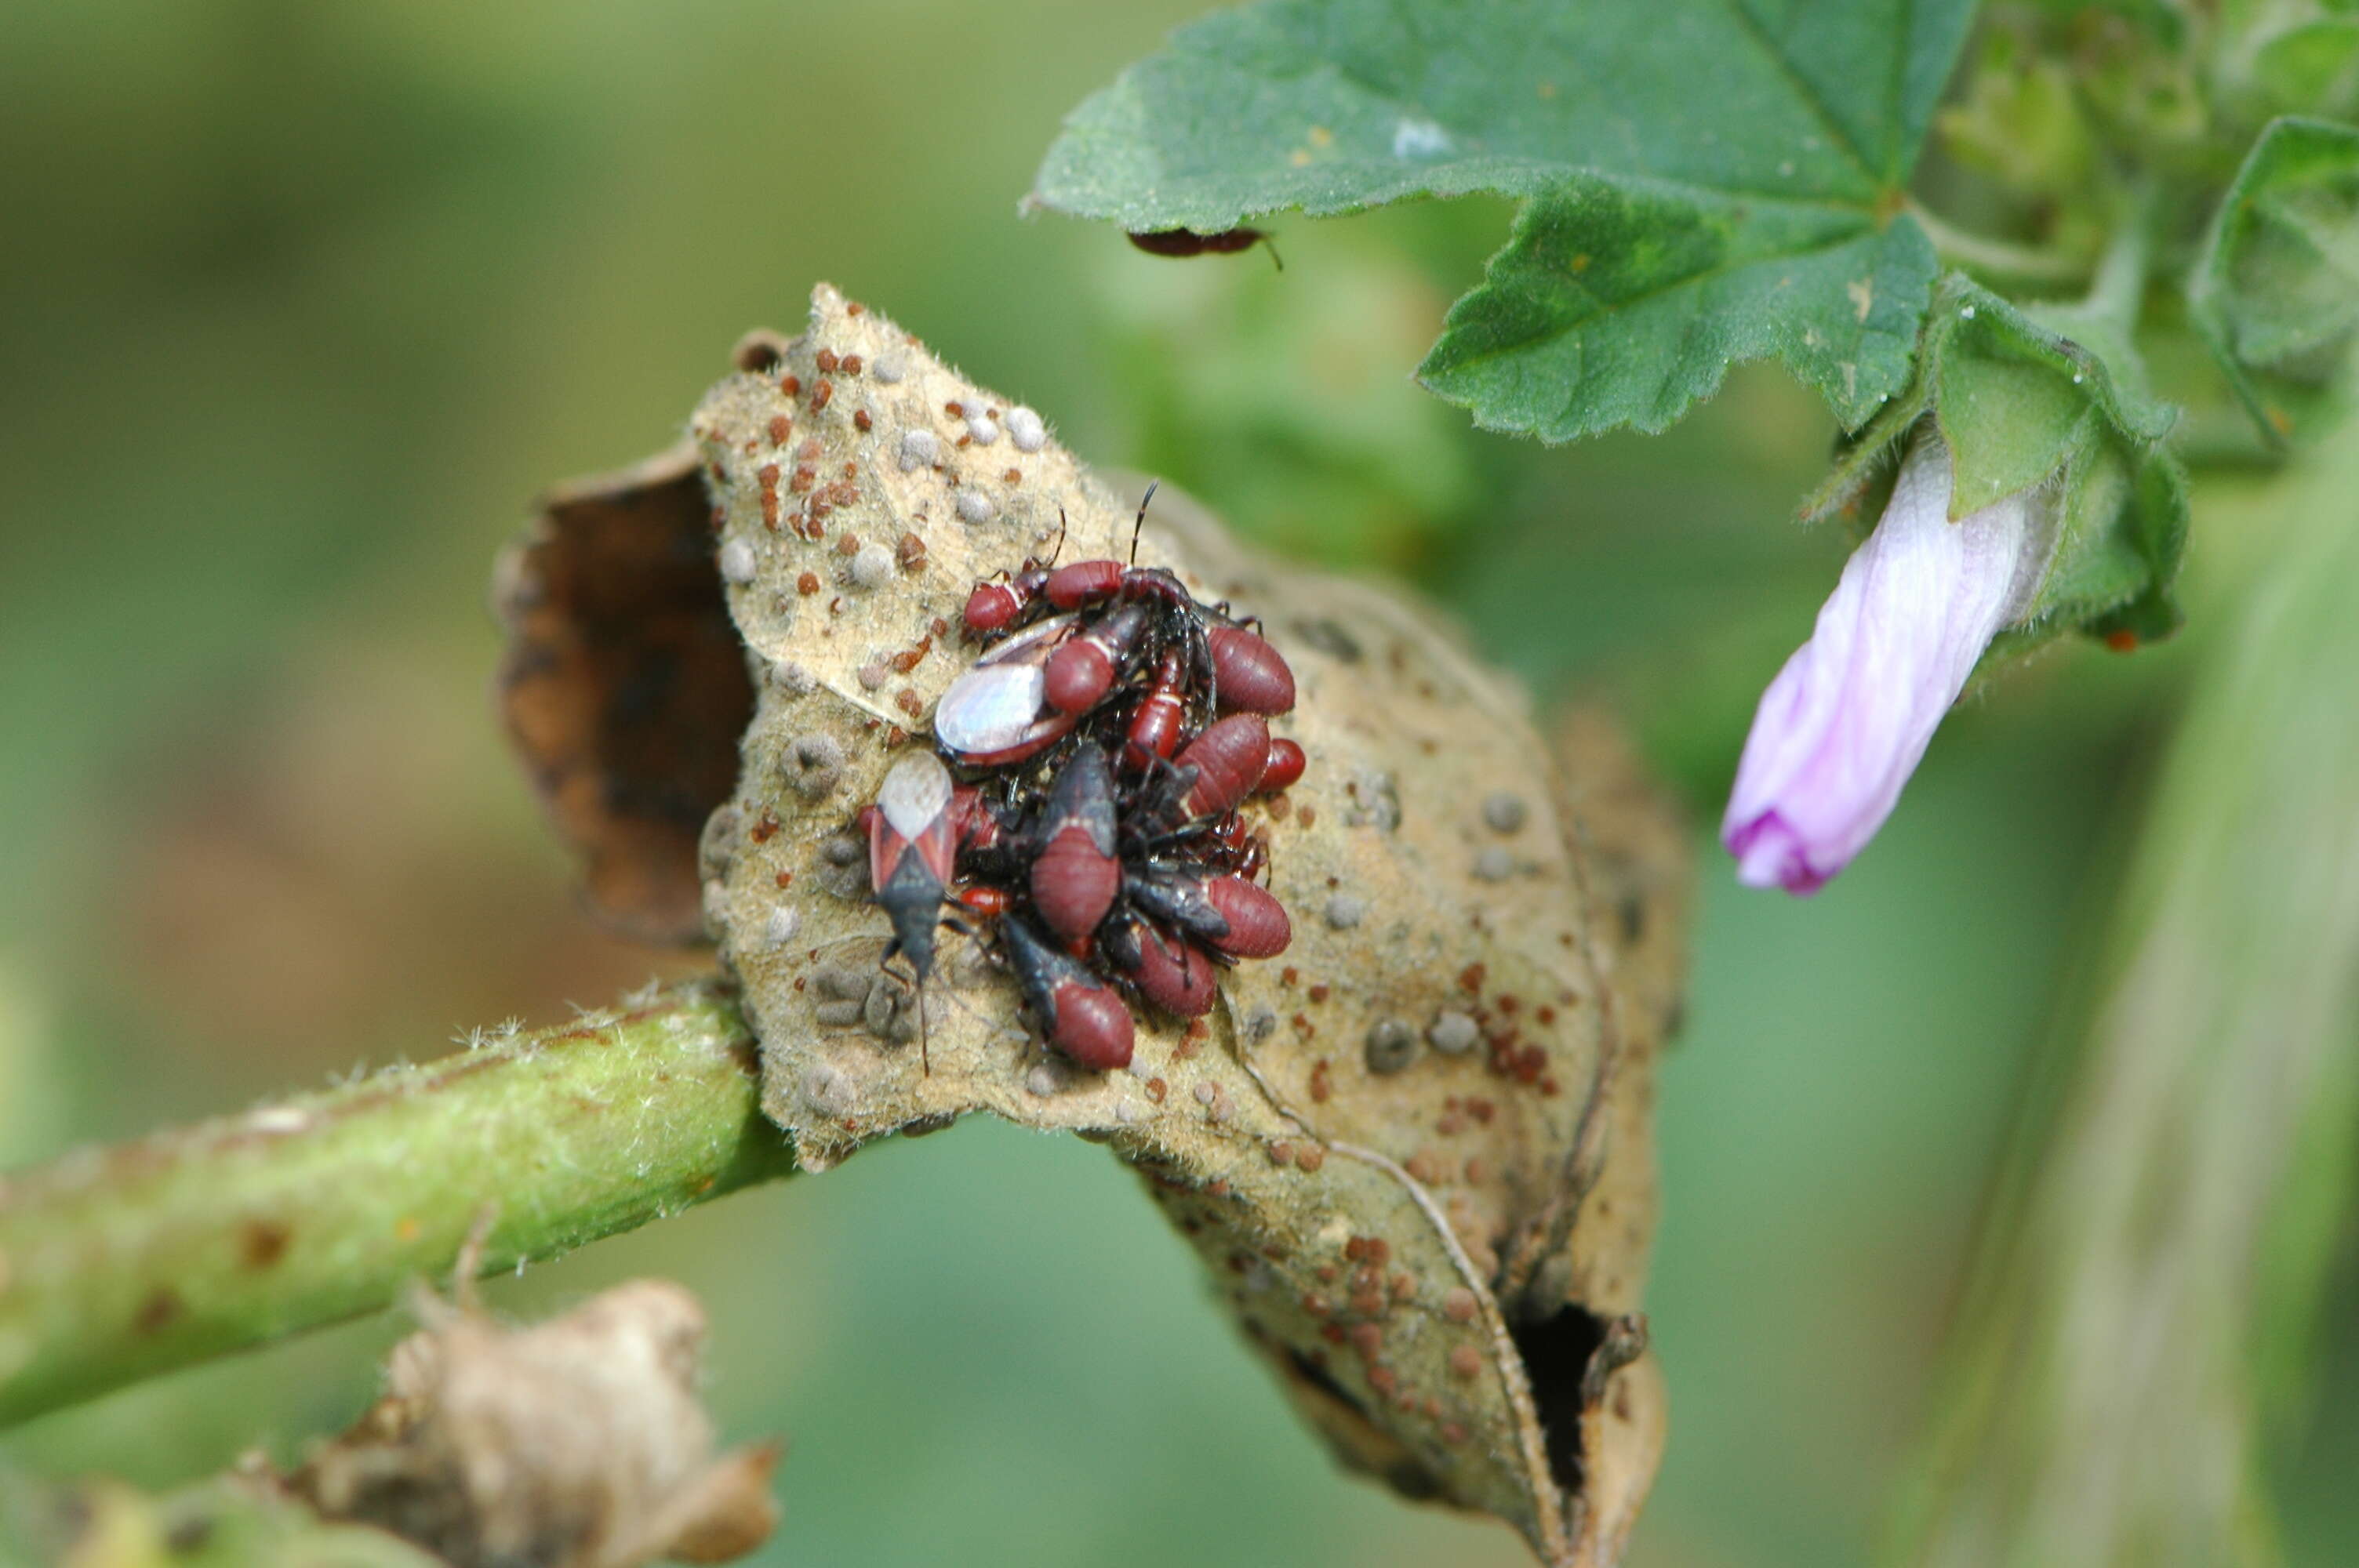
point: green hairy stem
(119, 1263)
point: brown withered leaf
(1416, 1149)
(578, 1442)
(624, 686)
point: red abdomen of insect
(1286, 764)
(1174, 974)
(1259, 927)
(992, 607)
(1078, 675)
(986, 900)
(1253, 677)
(1091, 1026)
(1230, 757)
(1074, 884)
(1162, 715)
(1076, 874)
(1071, 585)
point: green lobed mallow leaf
(2276, 288)
(1616, 305)
(1708, 182)
(2049, 397)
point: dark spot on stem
(188, 1535)
(260, 1243)
(159, 1311)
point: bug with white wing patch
(913, 838)
(998, 711)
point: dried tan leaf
(1416, 1149)
(623, 687)
(579, 1443)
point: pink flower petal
(1843, 726)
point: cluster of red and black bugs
(1083, 798)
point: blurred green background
(301, 305)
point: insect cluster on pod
(1104, 742)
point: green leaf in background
(2048, 397)
(2312, 64)
(1710, 182)
(1618, 303)
(2275, 290)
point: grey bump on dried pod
(1371, 1230)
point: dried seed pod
(1531, 1260)
(578, 1442)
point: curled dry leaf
(1416, 1149)
(578, 1442)
(623, 686)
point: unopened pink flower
(1843, 726)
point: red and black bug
(914, 830)
(998, 712)
(1170, 970)
(1074, 874)
(1079, 1013)
(1229, 759)
(1156, 722)
(1083, 668)
(913, 833)
(1225, 913)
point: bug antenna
(1060, 536)
(1140, 521)
(1271, 245)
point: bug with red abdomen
(914, 828)
(1084, 666)
(1287, 763)
(1171, 971)
(1225, 913)
(1249, 676)
(1228, 759)
(1157, 722)
(1074, 874)
(986, 901)
(1258, 927)
(998, 712)
(913, 834)
(1078, 1013)
(995, 607)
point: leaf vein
(1802, 89)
